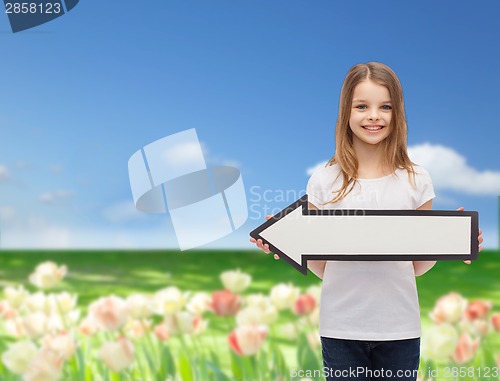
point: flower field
(213, 315)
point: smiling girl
(369, 318)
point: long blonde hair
(394, 145)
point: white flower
(45, 366)
(284, 296)
(290, 331)
(118, 355)
(19, 355)
(235, 281)
(57, 322)
(47, 275)
(313, 317)
(15, 327)
(63, 302)
(138, 328)
(140, 306)
(15, 296)
(199, 303)
(439, 342)
(35, 325)
(477, 327)
(110, 313)
(185, 322)
(38, 302)
(313, 339)
(257, 315)
(257, 300)
(169, 301)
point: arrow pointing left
(298, 234)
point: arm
(421, 267)
(317, 267)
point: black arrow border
(303, 202)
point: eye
(386, 107)
(360, 107)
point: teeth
(372, 128)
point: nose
(374, 115)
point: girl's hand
(480, 238)
(264, 247)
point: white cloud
(183, 154)
(314, 168)
(7, 214)
(56, 168)
(212, 159)
(55, 197)
(123, 212)
(4, 173)
(49, 237)
(450, 170)
(57, 236)
(24, 164)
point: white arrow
(297, 234)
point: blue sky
(259, 80)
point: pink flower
(304, 305)
(118, 355)
(481, 326)
(139, 328)
(449, 308)
(6, 311)
(109, 313)
(495, 321)
(225, 303)
(465, 349)
(88, 326)
(247, 340)
(46, 365)
(162, 332)
(477, 309)
(63, 344)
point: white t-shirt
(370, 300)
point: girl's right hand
(261, 245)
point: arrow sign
(297, 234)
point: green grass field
(95, 273)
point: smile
(373, 128)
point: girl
(369, 318)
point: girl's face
(371, 113)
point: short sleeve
(315, 191)
(425, 187)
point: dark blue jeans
(353, 360)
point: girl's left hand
(480, 238)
